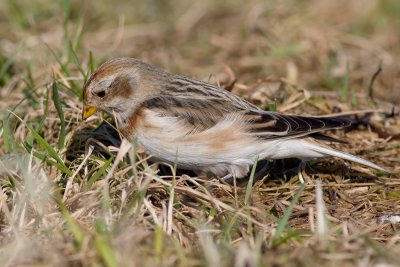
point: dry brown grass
(93, 206)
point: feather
(307, 148)
(327, 151)
(271, 125)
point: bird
(199, 126)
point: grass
(73, 194)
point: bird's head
(118, 87)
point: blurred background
(313, 44)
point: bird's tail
(327, 151)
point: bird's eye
(101, 94)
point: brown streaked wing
(200, 114)
(272, 125)
(205, 112)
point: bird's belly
(216, 153)
(192, 152)
(221, 149)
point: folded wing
(268, 125)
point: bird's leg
(227, 179)
(237, 171)
(260, 172)
(300, 170)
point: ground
(73, 195)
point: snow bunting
(200, 126)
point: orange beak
(88, 111)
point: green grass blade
(8, 139)
(76, 59)
(42, 156)
(98, 174)
(158, 242)
(5, 65)
(272, 106)
(45, 113)
(290, 235)
(65, 71)
(105, 251)
(78, 33)
(250, 183)
(76, 230)
(67, 7)
(285, 218)
(51, 152)
(91, 63)
(247, 196)
(58, 106)
(64, 68)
